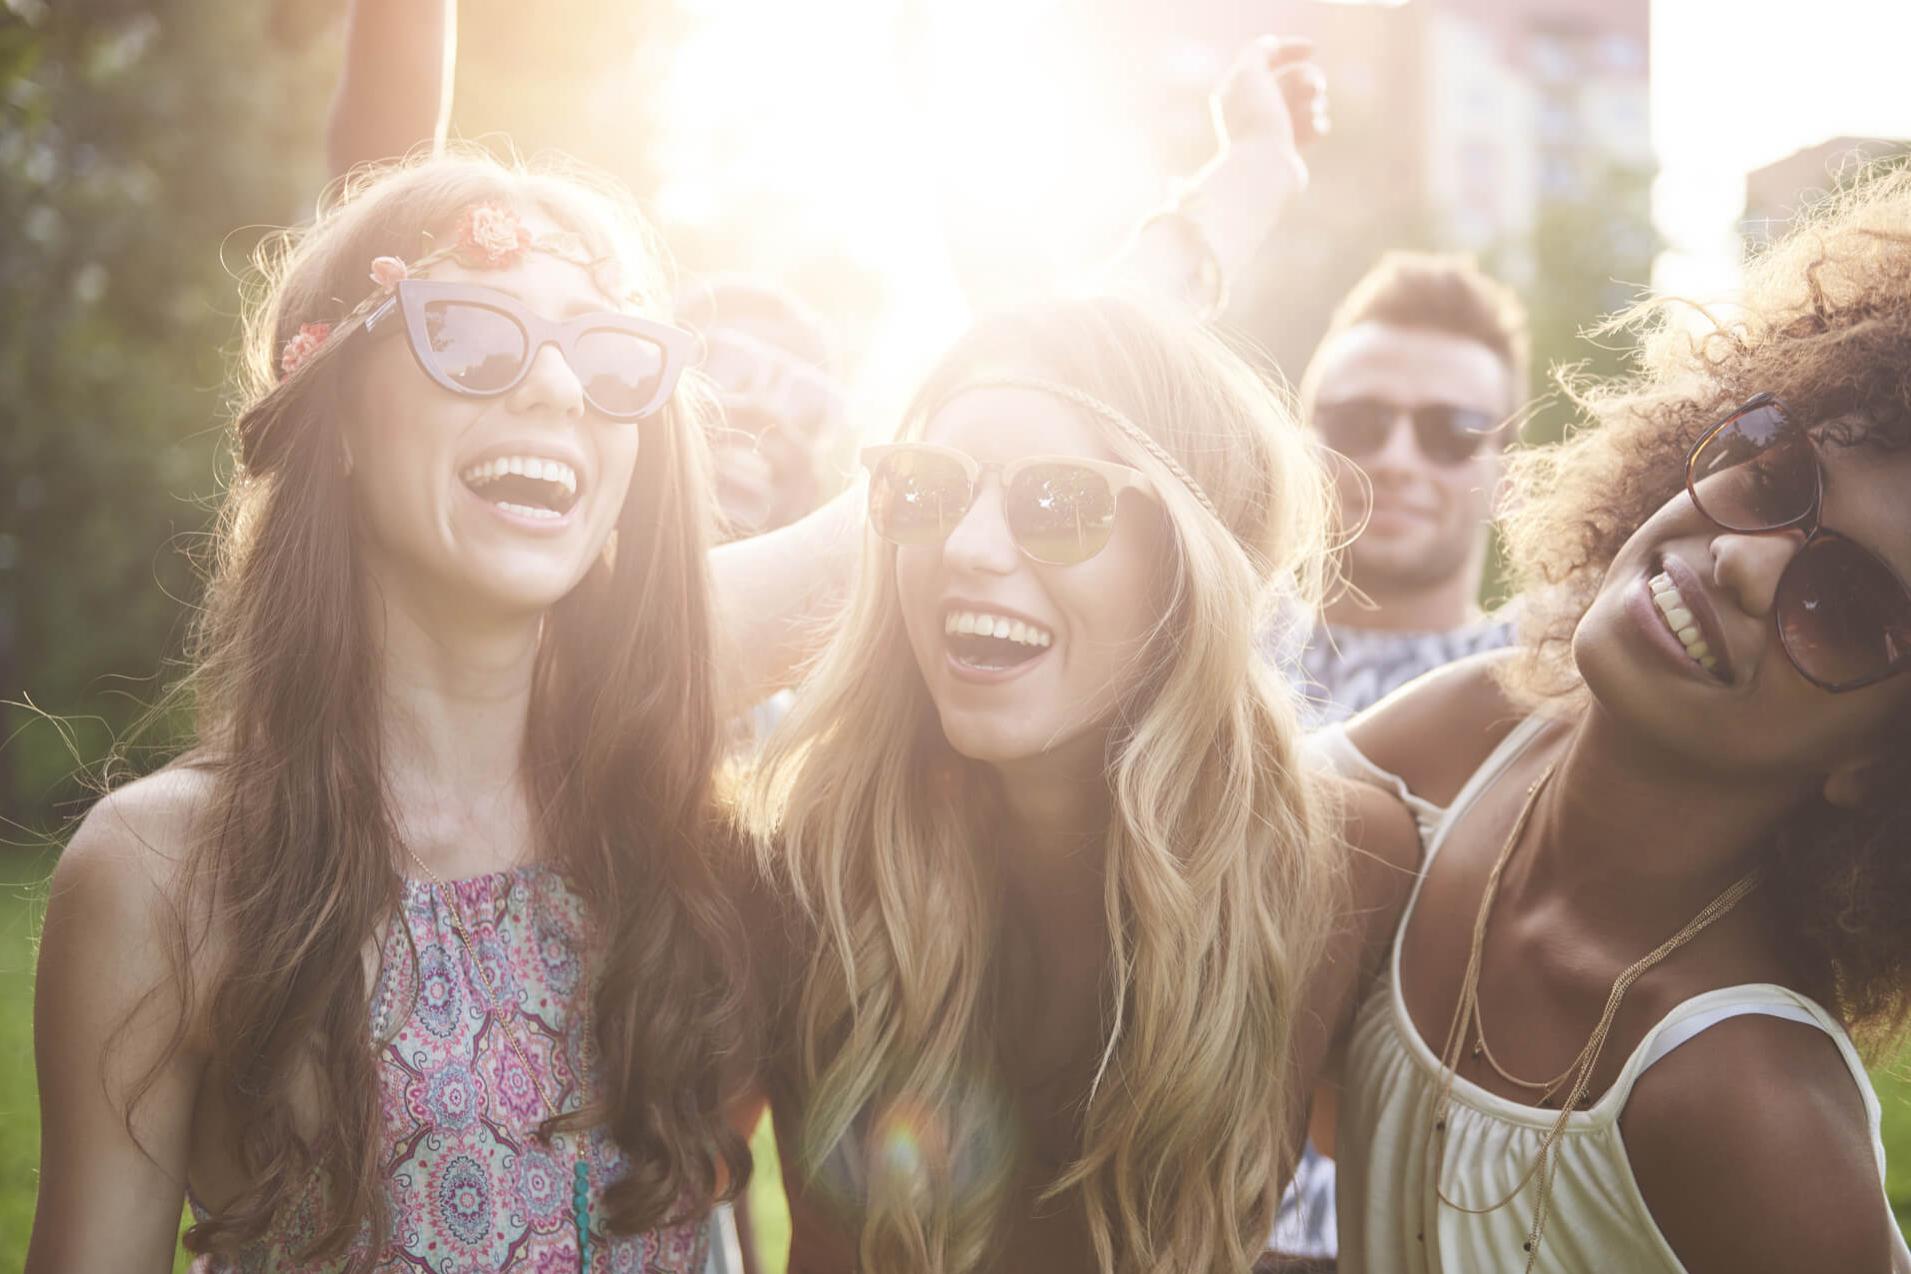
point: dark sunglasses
(1843, 615)
(1360, 426)
(1060, 510)
(481, 342)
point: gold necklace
(1466, 1017)
(580, 1176)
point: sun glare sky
(1737, 84)
(868, 130)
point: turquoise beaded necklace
(581, 1172)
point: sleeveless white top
(1390, 1222)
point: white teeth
(545, 470)
(966, 623)
(1679, 618)
(530, 511)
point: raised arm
(395, 89)
(104, 1011)
(1270, 104)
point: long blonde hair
(1222, 881)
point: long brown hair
(296, 866)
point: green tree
(144, 150)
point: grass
(22, 900)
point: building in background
(1776, 192)
(1517, 130)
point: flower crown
(490, 236)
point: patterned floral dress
(470, 1188)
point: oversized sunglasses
(481, 342)
(1446, 434)
(1060, 510)
(1843, 615)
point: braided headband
(1102, 411)
(489, 236)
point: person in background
(394, 89)
(778, 455)
(1423, 362)
(1422, 365)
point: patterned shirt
(469, 1187)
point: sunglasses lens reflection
(1061, 513)
(478, 348)
(1843, 616)
(1755, 472)
(620, 371)
(917, 497)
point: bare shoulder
(1376, 826)
(117, 879)
(1436, 730)
(1759, 1119)
(136, 837)
(1383, 847)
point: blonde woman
(1071, 925)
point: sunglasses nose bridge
(549, 379)
(981, 539)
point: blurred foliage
(132, 145)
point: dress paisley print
(470, 1188)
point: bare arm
(1268, 106)
(1435, 731)
(395, 89)
(774, 593)
(110, 1196)
(1383, 852)
(1751, 1149)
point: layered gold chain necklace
(512, 1027)
(1577, 1077)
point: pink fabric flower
(494, 233)
(389, 272)
(310, 337)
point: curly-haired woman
(1669, 879)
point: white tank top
(1390, 1222)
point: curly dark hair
(1824, 322)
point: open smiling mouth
(528, 486)
(992, 643)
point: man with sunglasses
(1422, 364)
